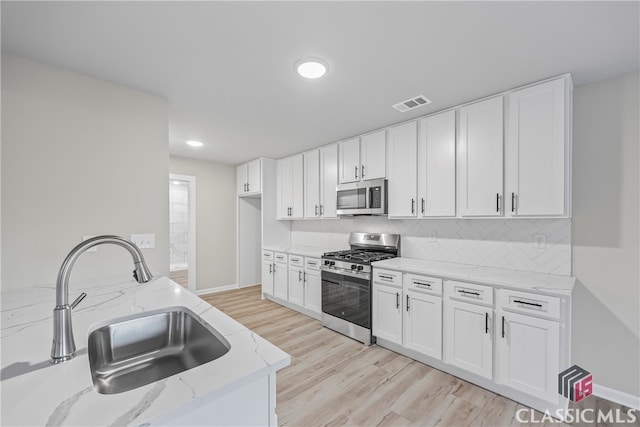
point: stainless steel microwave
(362, 198)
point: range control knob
(326, 262)
(332, 263)
(360, 268)
(353, 266)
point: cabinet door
(267, 277)
(280, 282)
(254, 174)
(312, 291)
(297, 187)
(373, 155)
(312, 184)
(437, 168)
(423, 323)
(284, 189)
(241, 178)
(329, 180)
(536, 150)
(528, 356)
(467, 337)
(349, 160)
(403, 170)
(480, 164)
(387, 313)
(296, 286)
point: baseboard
(249, 285)
(619, 397)
(217, 289)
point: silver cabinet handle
(407, 303)
(270, 268)
(486, 323)
(497, 202)
(363, 171)
(502, 326)
(513, 202)
(413, 206)
(321, 210)
(304, 276)
(316, 210)
(382, 276)
(299, 276)
(356, 173)
(423, 205)
(397, 300)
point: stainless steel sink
(136, 350)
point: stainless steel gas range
(346, 283)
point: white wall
(80, 156)
(215, 220)
(606, 260)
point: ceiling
(226, 68)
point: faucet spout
(63, 347)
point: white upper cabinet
(538, 150)
(403, 170)
(363, 158)
(480, 158)
(290, 188)
(373, 155)
(320, 180)
(248, 177)
(312, 184)
(437, 165)
(328, 180)
(349, 165)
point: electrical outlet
(93, 249)
(433, 236)
(144, 241)
(540, 241)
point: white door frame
(191, 251)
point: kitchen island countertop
(34, 392)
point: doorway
(182, 230)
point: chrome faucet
(64, 346)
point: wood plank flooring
(181, 277)
(336, 381)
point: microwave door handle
(367, 202)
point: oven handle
(343, 272)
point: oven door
(346, 297)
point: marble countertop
(34, 392)
(308, 251)
(521, 280)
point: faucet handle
(78, 300)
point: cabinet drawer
(281, 257)
(414, 282)
(524, 302)
(312, 264)
(387, 277)
(267, 255)
(471, 292)
(297, 260)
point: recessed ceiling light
(195, 143)
(311, 68)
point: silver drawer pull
(527, 303)
(382, 276)
(462, 291)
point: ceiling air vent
(412, 103)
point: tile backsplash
(502, 243)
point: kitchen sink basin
(136, 350)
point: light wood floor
(181, 277)
(334, 380)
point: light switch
(144, 241)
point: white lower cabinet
(296, 280)
(407, 310)
(528, 347)
(312, 285)
(468, 337)
(387, 313)
(280, 276)
(268, 272)
(423, 323)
